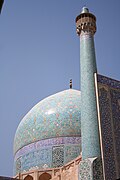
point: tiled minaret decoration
(86, 28)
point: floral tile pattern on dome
(57, 115)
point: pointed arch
(45, 176)
(28, 177)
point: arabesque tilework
(53, 122)
(89, 119)
(58, 156)
(97, 169)
(109, 102)
(91, 169)
(85, 171)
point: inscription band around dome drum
(48, 142)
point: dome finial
(85, 10)
(70, 83)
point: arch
(45, 176)
(28, 177)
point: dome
(51, 127)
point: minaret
(86, 28)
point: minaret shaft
(89, 119)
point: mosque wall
(109, 105)
(77, 169)
(68, 171)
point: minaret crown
(85, 22)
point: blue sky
(39, 53)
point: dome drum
(49, 153)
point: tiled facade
(50, 134)
(91, 169)
(97, 169)
(109, 102)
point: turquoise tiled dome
(54, 121)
